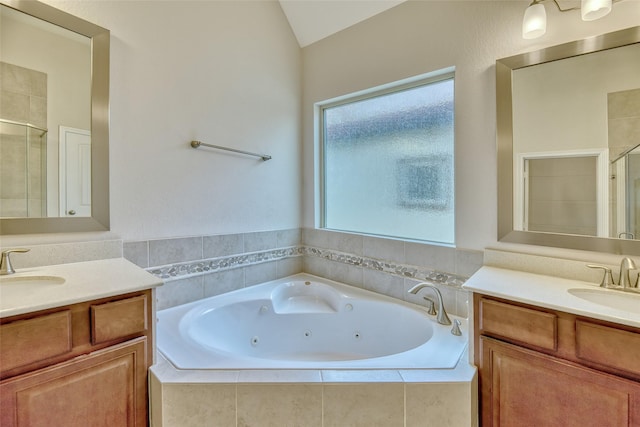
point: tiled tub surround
(442, 397)
(197, 267)
(323, 398)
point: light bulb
(594, 9)
(534, 23)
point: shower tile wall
(23, 98)
(623, 110)
(199, 267)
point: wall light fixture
(534, 23)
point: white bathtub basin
(287, 324)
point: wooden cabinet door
(106, 388)
(523, 388)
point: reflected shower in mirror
(45, 84)
(568, 123)
(54, 121)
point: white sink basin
(15, 289)
(618, 300)
(30, 281)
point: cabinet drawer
(523, 325)
(32, 340)
(606, 346)
(118, 319)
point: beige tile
(223, 281)
(155, 401)
(13, 207)
(178, 292)
(38, 83)
(431, 256)
(289, 266)
(346, 242)
(280, 405)
(260, 241)
(289, 237)
(16, 79)
(468, 261)
(625, 103)
(198, 405)
(385, 249)
(439, 405)
(38, 111)
(169, 251)
(137, 252)
(366, 405)
(623, 132)
(260, 273)
(463, 299)
(222, 245)
(14, 106)
(384, 283)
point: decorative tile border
(402, 270)
(201, 267)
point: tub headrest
(305, 297)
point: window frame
(386, 89)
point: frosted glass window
(388, 163)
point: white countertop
(550, 292)
(83, 281)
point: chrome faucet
(441, 316)
(624, 280)
(5, 262)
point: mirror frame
(100, 44)
(504, 129)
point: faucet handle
(431, 309)
(5, 261)
(456, 328)
(607, 279)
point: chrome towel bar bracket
(196, 144)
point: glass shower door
(23, 170)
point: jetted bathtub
(305, 322)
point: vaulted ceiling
(313, 20)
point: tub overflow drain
(307, 334)
(255, 341)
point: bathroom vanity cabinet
(83, 364)
(541, 367)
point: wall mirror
(54, 121)
(568, 129)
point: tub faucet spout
(441, 317)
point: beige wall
(566, 106)
(223, 72)
(230, 72)
(421, 36)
